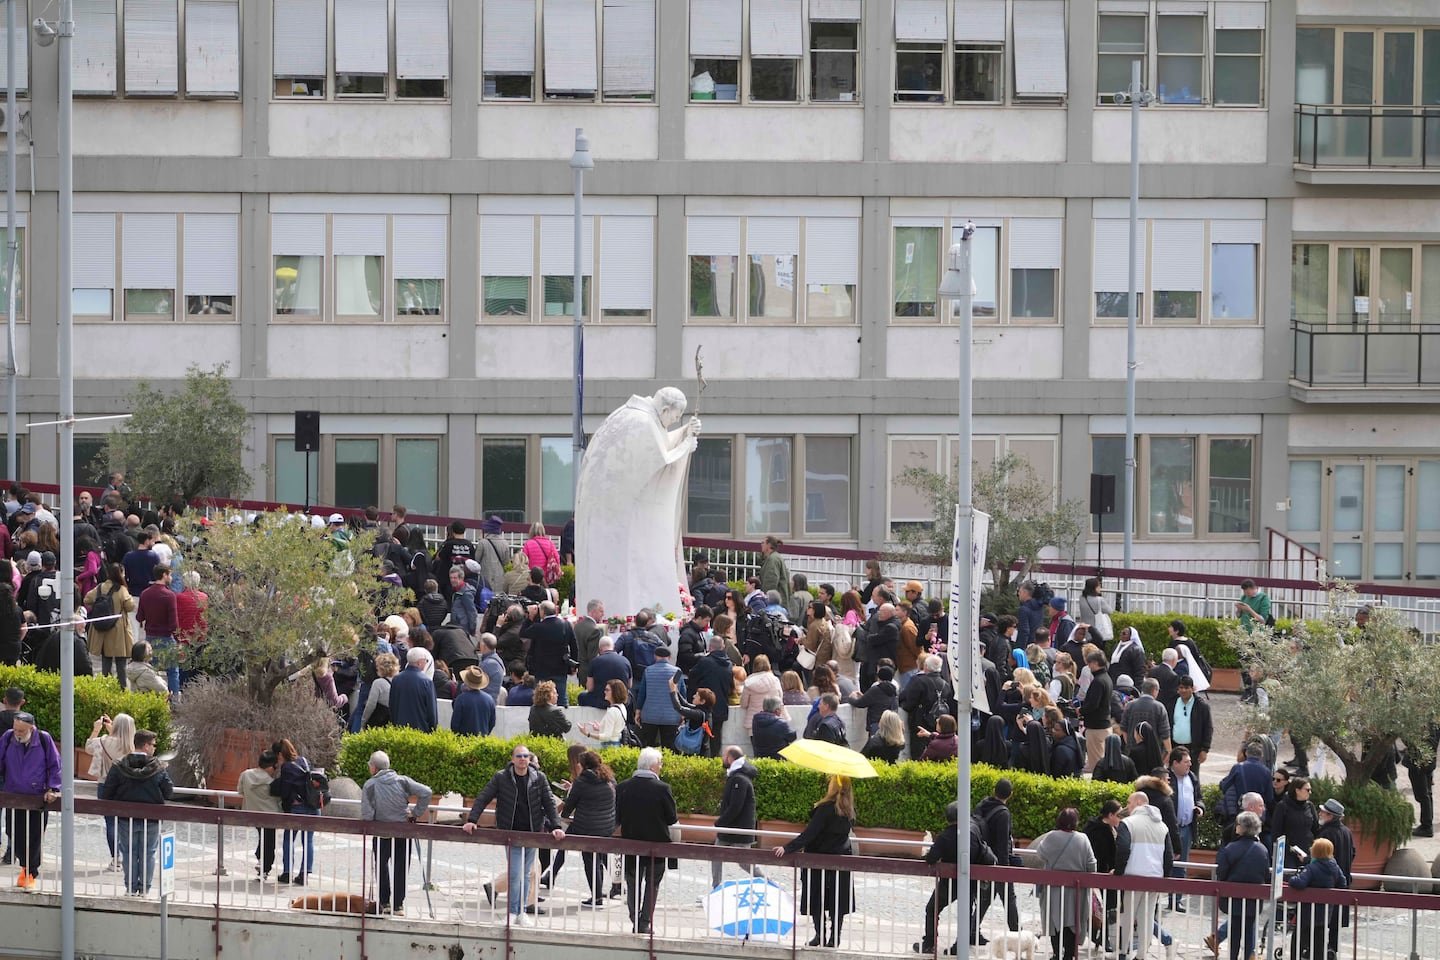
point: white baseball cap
(336, 518)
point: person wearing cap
(473, 710)
(12, 704)
(654, 710)
(1062, 624)
(1333, 829)
(339, 533)
(919, 610)
(30, 766)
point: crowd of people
(484, 627)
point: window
(908, 505)
(21, 468)
(417, 474)
(291, 471)
(1361, 284)
(589, 50)
(502, 478)
(516, 250)
(966, 51)
(1167, 468)
(20, 264)
(708, 488)
(159, 255)
(362, 49)
(356, 248)
(755, 50)
(557, 479)
(775, 272)
(357, 472)
(155, 65)
(1171, 40)
(827, 486)
(1015, 280)
(767, 485)
(1188, 271)
(22, 53)
(91, 465)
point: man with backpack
(1252, 775)
(638, 644)
(946, 849)
(30, 765)
(924, 701)
(994, 816)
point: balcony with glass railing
(1362, 137)
(1395, 354)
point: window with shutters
(1192, 52)
(781, 256)
(755, 51)
(1188, 271)
(361, 49)
(979, 51)
(153, 48)
(1015, 266)
(568, 50)
(359, 267)
(527, 267)
(22, 48)
(21, 266)
(165, 266)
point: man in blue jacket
(412, 694)
(653, 708)
(1242, 860)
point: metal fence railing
(1357, 135)
(454, 879)
(1404, 354)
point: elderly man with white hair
(646, 810)
(386, 799)
(606, 666)
(412, 694)
(924, 700)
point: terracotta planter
(866, 837)
(236, 753)
(1371, 855)
(82, 764)
(1201, 856)
(1225, 680)
(697, 828)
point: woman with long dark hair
(112, 641)
(590, 805)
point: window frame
(1424, 32)
(181, 63)
(591, 282)
(1210, 60)
(1420, 281)
(945, 446)
(804, 65)
(1145, 308)
(745, 259)
(1200, 487)
(950, 50)
(537, 77)
(1005, 273)
(119, 292)
(329, 312)
(392, 81)
(22, 267)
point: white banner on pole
(963, 606)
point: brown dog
(334, 903)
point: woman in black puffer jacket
(1294, 819)
(591, 807)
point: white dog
(1013, 945)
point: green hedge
(908, 796)
(1205, 631)
(1385, 813)
(93, 696)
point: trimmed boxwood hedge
(906, 796)
(93, 696)
(1205, 631)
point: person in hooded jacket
(1161, 797)
(883, 695)
(1035, 754)
(139, 777)
(946, 849)
(1318, 922)
(993, 749)
(1067, 757)
(1115, 765)
(1142, 849)
(433, 606)
(993, 814)
(737, 811)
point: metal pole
(1131, 309)
(66, 29)
(961, 626)
(12, 259)
(577, 427)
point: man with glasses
(524, 803)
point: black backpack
(104, 606)
(317, 789)
(930, 711)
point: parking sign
(167, 863)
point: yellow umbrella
(829, 758)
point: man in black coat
(454, 646)
(646, 810)
(737, 810)
(713, 672)
(607, 665)
(692, 646)
(1332, 827)
(552, 649)
(412, 694)
(919, 698)
(1095, 708)
(882, 636)
(524, 802)
(994, 816)
(138, 778)
(1164, 674)
(946, 849)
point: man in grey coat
(386, 799)
(1147, 709)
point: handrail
(1393, 136)
(1395, 361)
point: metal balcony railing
(1355, 355)
(1349, 135)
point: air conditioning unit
(24, 121)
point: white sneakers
(522, 920)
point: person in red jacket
(158, 615)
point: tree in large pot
(1359, 691)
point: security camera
(44, 32)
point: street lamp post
(1136, 96)
(580, 161)
(12, 249)
(958, 286)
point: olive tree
(1356, 690)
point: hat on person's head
(987, 618)
(1057, 603)
(33, 558)
(25, 507)
(471, 566)
(48, 559)
(915, 586)
(475, 678)
(662, 651)
(1334, 807)
(26, 717)
(336, 518)
(492, 524)
(1124, 680)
